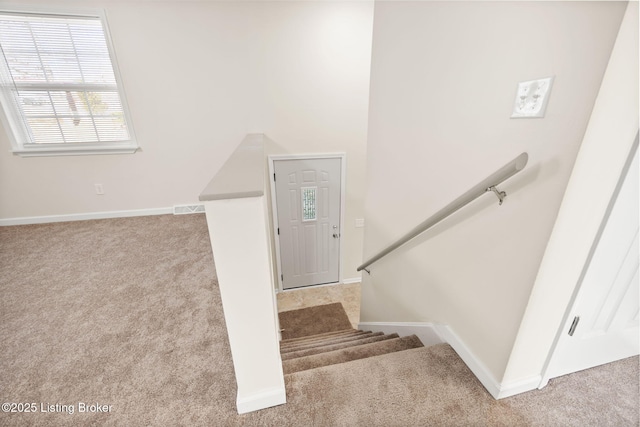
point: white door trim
(274, 206)
(546, 370)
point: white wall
(443, 83)
(246, 295)
(315, 59)
(183, 68)
(198, 77)
(606, 148)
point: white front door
(603, 324)
(308, 214)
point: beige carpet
(433, 387)
(127, 313)
(313, 320)
(347, 294)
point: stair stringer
(432, 334)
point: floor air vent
(188, 209)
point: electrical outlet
(99, 189)
(359, 222)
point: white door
(603, 324)
(308, 213)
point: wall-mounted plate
(532, 98)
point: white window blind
(58, 82)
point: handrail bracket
(501, 195)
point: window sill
(74, 150)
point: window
(309, 203)
(59, 86)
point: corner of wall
(426, 332)
(499, 390)
(261, 400)
(609, 139)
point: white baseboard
(351, 280)
(262, 400)
(84, 216)
(432, 334)
(520, 386)
(324, 285)
(477, 367)
(496, 389)
(427, 332)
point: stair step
(293, 341)
(330, 341)
(351, 353)
(314, 320)
(317, 340)
(339, 346)
(379, 363)
(318, 336)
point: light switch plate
(532, 98)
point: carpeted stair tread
(431, 354)
(353, 340)
(329, 342)
(355, 333)
(318, 336)
(351, 353)
(339, 346)
(313, 320)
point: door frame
(274, 205)
(575, 297)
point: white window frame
(74, 148)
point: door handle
(336, 235)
